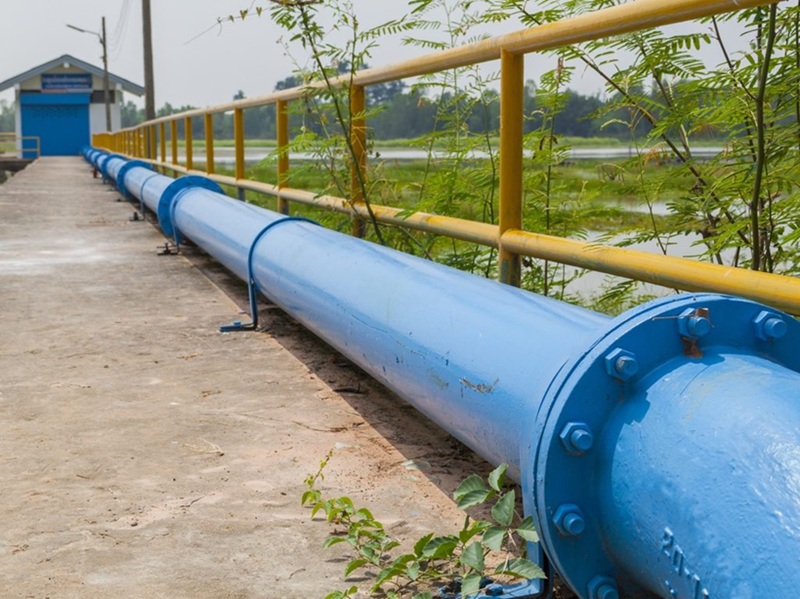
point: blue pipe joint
(104, 166)
(131, 164)
(673, 434)
(99, 163)
(168, 201)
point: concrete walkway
(144, 454)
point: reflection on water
(225, 156)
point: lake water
(225, 156)
(593, 283)
(589, 284)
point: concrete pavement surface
(142, 453)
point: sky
(195, 61)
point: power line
(121, 29)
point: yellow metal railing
(13, 144)
(508, 236)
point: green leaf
(527, 530)
(471, 584)
(311, 496)
(354, 565)
(342, 594)
(420, 545)
(331, 541)
(477, 527)
(412, 570)
(476, 497)
(471, 484)
(440, 548)
(365, 514)
(493, 538)
(503, 510)
(316, 508)
(521, 568)
(473, 557)
(497, 477)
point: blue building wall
(60, 121)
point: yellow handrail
(16, 143)
(508, 236)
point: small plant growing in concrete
(438, 565)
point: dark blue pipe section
(659, 451)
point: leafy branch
(463, 562)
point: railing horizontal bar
(607, 22)
(780, 291)
(465, 230)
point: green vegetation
(6, 117)
(739, 207)
(484, 550)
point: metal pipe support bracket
(252, 287)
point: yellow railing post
(282, 130)
(162, 140)
(358, 167)
(208, 121)
(187, 136)
(152, 153)
(238, 147)
(173, 139)
(507, 236)
(512, 82)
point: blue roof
(127, 86)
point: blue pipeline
(658, 452)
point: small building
(62, 103)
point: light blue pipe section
(147, 186)
(112, 166)
(472, 355)
(684, 479)
(411, 335)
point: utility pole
(106, 93)
(149, 86)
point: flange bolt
(621, 364)
(576, 437)
(769, 326)
(569, 520)
(603, 587)
(606, 591)
(694, 323)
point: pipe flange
(167, 199)
(131, 164)
(590, 389)
(104, 167)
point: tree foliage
(7, 116)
